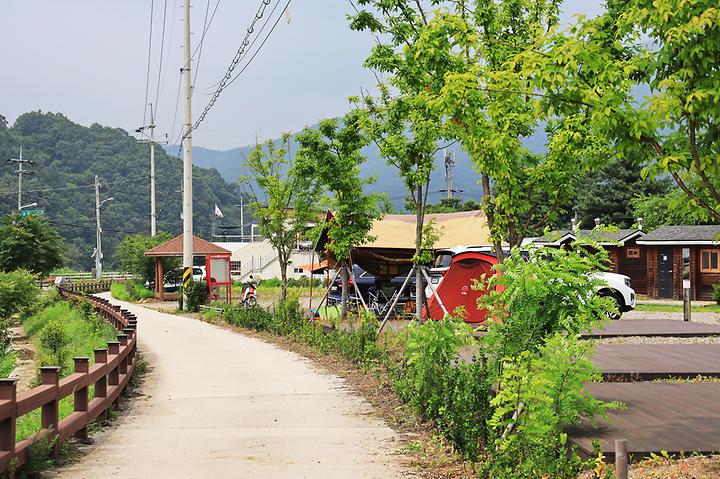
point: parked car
(367, 284)
(617, 287)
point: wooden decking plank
(627, 362)
(673, 417)
(654, 327)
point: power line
(160, 63)
(206, 27)
(277, 20)
(49, 190)
(236, 59)
(147, 80)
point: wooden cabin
(675, 253)
(627, 255)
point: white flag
(218, 212)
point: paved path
(222, 405)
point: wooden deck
(672, 417)
(646, 362)
(654, 327)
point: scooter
(249, 299)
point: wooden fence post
(50, 415)
(101, 357)
(80, 399)
(114, 374)
(621, 459)
(8, 392)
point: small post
(8, 392)
(114, 374)
(101, 357)
(686, 300)
(80, 399)
(621, 459)
(50, 375)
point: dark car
(370, 286)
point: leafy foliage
(130, 291)
(597, 67)
(665, 210)
(197, 293)
(284, 199)
(18, 293)
(29, 242)
(130, 255)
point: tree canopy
(130, 255)
(29, 243)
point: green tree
(603, 68)
(29, 242)
(669, 209)
(608, 193)
(130, 255)
(331, 155)
(402, 121)
(285, 202)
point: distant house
(675, 253)
(623, 246)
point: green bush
(716, 292)
(55, 339)
(270, 283)
(197, 293)
(18, 293)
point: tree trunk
(418, 242)
(283, 275)
(490, 215)
(345, 290)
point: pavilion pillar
(159, 283)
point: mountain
(387, 179)
(67, 157)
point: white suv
(617, 287)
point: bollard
(686, 300)
(621, 459)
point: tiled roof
(174, 247)
(683, 234)
(601, 236)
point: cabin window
(633, 253)
(710, 261)
(297, 270)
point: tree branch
(696, 160)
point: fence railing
(109, 375)
(88, 287)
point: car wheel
(616, 312)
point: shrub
(55, 339)
(197, 293)
(716, 292)
(130, 291)
(18, 293)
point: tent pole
(327, 291)
(432, 289)
(312, 270)
(357, 290)
(397, 297)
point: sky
(87, 59)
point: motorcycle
(249, 299)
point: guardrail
(88, 287)
(110, 374)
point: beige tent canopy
(467, 228)
(391, 252)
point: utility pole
(187, 161)
(153, 214)
(98, 230)
(242, 219)
(20, 171)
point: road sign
(32, 212)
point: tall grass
(130, 291)
(82, 332)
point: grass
(675, 308)
(130, 291)
(83, 336)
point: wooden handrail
(110, 375)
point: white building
(259, 258)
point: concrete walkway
(223, 405)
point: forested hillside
(67, 157)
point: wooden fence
(88, 287)
(110, 374)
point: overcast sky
(87, 59)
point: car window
(443, 260)
(197, 271)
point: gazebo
(174, 248)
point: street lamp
(98, 233)
(27, 206)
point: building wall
(635, 268)
(701, 284)
(260, 260)
(704, 281)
